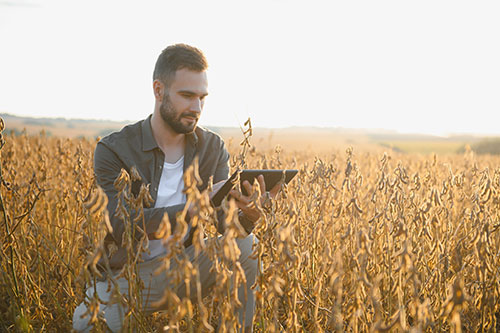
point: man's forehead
(187, 77)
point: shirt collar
(192, 137)
(149, 142)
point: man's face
(183, 100)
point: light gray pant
(156, 284)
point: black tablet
(271, 178)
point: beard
(174, 119)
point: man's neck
(170, 142)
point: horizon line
(342, 128)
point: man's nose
(197, 105)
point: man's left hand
(244, 201)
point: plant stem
(11, 250)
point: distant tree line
(487, 146)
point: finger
(262, 183)
(247, 186)
(235, 194)
(239, 197)
(242, 205)
(274, 191)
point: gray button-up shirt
(135, 146)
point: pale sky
(412, 66)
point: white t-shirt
(169, 194)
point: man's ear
(158, 90)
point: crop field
(361, 240)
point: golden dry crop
(360, 241)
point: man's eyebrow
(189, 92)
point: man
(160, 148)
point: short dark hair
(176, 57)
